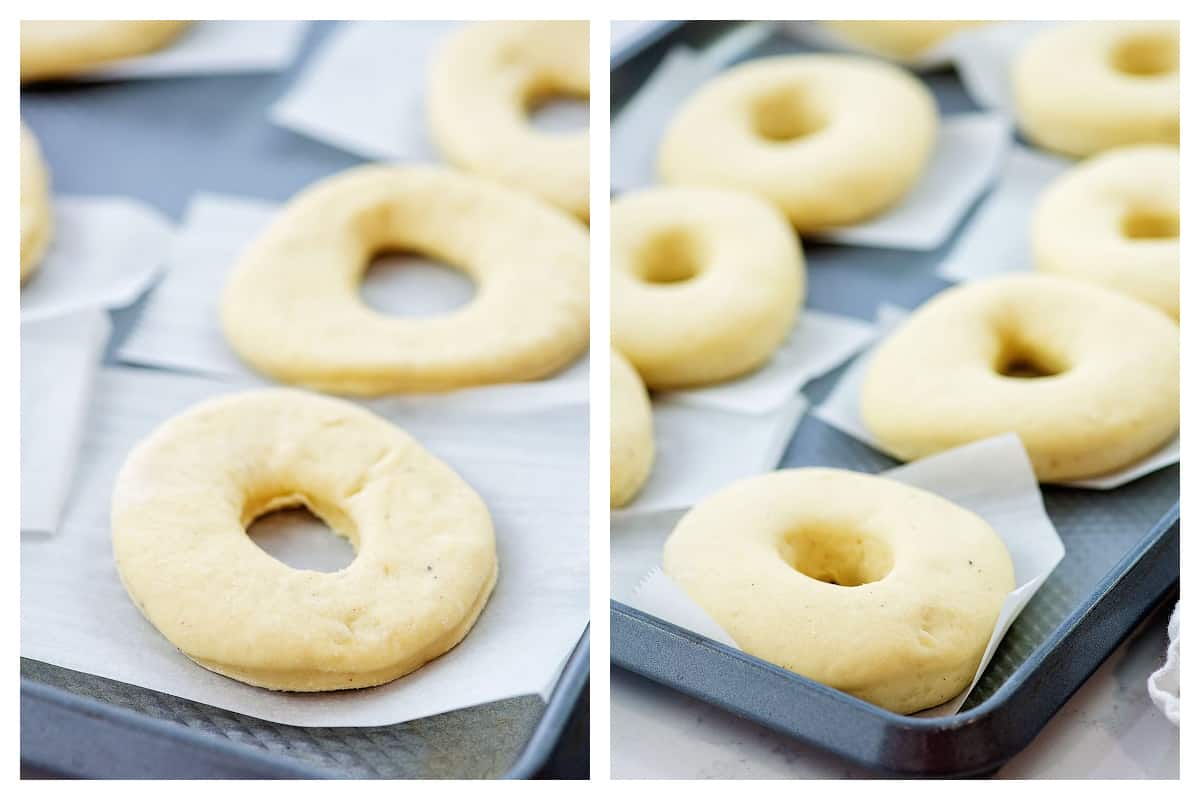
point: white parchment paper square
(984, 56)
(530, 469)
(818, 343)
(815, 34)
(364, 90)
(179, 328)
(998, 238)
(967, 156)
(841, 410)
(992, 478)
(700, 449)
(215, 47)
(59, 360)
(104, 252)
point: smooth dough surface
(425, 563)
(1087, 377)
(1114, 220)
(872, 587)
(805, 133)
(897, 38)
(62, 48)
(706, 283)
(1084, 87)
(631, 449)
(486, 79)
(37, 217)
(292, 308)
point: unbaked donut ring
(37, 218)
(1114, 220)
(706, 283)
(486, 79)
(1084, 87)
(1088, 378)
(805, 133)
(425, 563)
(62, 48)
(631, 448)
(292, 310)
(881, 590)
(906, 40)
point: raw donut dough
(952, 374)
(62, 48)
(37, 219)
(706, 283)
(631, 450)
(807, 133)
(292, 309)
(1084, 87)
(425, 564)
(486, 79)
(1114, 220)
(902, 39)
(867, 585)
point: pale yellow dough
(37, 217)
(901, 39)
(805, 133)
(1087, 377)
(62, 48)
(486, 79)
(1084, 87)
(425, 564)
(881, 590)
(291, 306)
(706, 283)
(1114, 220)
(631, 447)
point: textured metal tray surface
(1122, 546)
(162, 141)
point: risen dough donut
(1089, 86)
(1114, 220)
(61, 48)
(831, 140)
(486, 79)
(36, 216)
(631, 450)
(902, 39)
(1088, 378)
(705, 283)
(292, 309)
(425, 564)
(881, 590)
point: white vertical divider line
(599, 394)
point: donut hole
(553, 109)
(785, 115)
(670, 256)
(300, 539)
(842, 557)
(1018, 359)
(1147, 55)
(402, 283)
(1150, 224)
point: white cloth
(1163, 684)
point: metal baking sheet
(162, 141)
(1122, 545)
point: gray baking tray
(1122, 545)
(162, 141)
